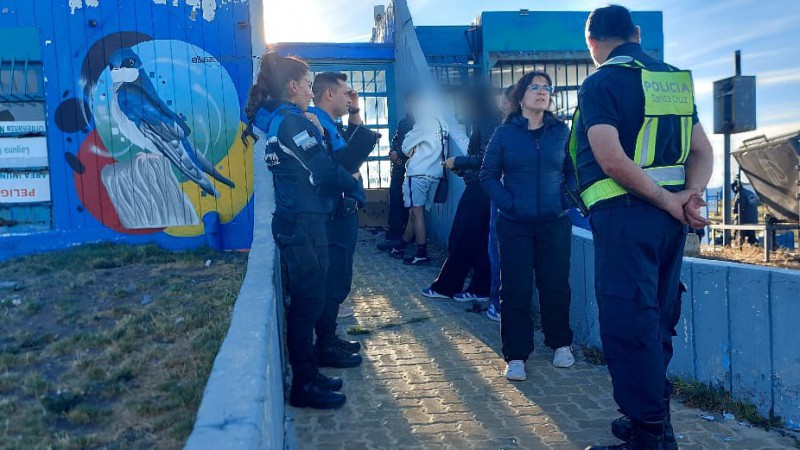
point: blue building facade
(121, 121)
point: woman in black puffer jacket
(469, 236)
(534, 233)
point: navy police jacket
(302, 168)
(336, 138)
(533, 170)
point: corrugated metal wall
(143, 112)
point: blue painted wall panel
(444, 40)
(337, 51)
(709, 283)
(683, 357)
(786, 353)
(592, 310)
(555, 31)
(577, 281)
(748, 300)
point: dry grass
(750, 254)
(86, 363)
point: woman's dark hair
(521, 87)
(508, 93)
(274, 75)
(610, 22)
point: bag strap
(445, 147)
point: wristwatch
(353, 110)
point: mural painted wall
(144, 112)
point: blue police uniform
(638, 247)
(342, 231)
(302, 170)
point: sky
(699, 36)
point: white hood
(423, 144)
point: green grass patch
(717, 400)
(103, 370)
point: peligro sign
(24, 187)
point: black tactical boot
(348, 346)
(622, 428)
(333, 356)
(642, 437)
(329, 383)
(312, 395)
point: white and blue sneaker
(469, 297)
(492, 313)
(430, 293)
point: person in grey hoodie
(424, 147)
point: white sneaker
(515, 370)
(563, 357)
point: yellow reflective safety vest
(668, 97)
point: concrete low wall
(738, 330)
(243, 403)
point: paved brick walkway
(432, 379)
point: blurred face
(506, 107)
(537, 95)
(300, 91)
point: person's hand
(691, 211)
(673, 203)
(393, 157)
(313, 118)
(353, 96)
(450, 163)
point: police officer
(333, 98)
(303, 171)
(642, 159)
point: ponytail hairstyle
(519, 93)
(274, 75)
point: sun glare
(296, 21)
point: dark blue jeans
(638, 253)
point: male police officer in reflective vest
(642, 160)
(333, 98)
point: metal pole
(726, 157)
(726, 189)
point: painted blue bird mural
(147, 122)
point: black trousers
(638, 254)
(398, 213)
(467, 247)
(303, 242)
(342, 237)
(545, 248)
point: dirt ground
(110, 346)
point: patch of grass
(87, 415)
(356, 330)
(35, 384)
(9, 360)
(717, 400)
(128, 375)
(594, 356)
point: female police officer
(302, 170)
